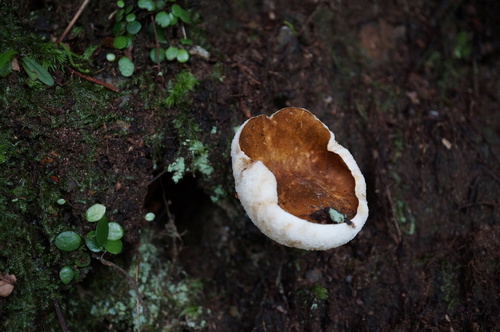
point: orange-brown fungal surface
(293, 145)
(297, 184)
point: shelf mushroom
(296, 183)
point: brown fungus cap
(296, 183)
(293, 145)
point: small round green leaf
(134, 27)
(149, 5)
(130, 17)
(120, 4)
(119, 28)
(162, 19)
(110, 57)
(129, 9)
(122, 42)
(95, 212)
(171, 52)
(160, 4)
(173, 19)
(82, 259)
(114, 247)
(68, 241)
(161, 54)
(92, 243)
(181, 13)
(182, 56)
(126, 67)
(61, 201)
(115, 231)
(101, 231)
(66, 274)
(119, 15)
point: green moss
(48, 141)
(184, 82)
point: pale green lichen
(200, 157)
(217, 194)
(178, 168)
(166, 303)
(336, 216)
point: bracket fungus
(296, 183)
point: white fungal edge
(256, 187)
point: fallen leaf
(413, 97)
(15, 65)
(7, 284)
(446, 143)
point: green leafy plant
(106, 237)
(158, 16)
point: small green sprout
(61, 201)
(107, 235)
(319, 292)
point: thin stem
(78, 13)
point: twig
(60, 316)
(172, 230)
(130, 280)
(183, 31)
(308, 20)
(157, 45)
(82, 7)
(484, 203)
(94, 80)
